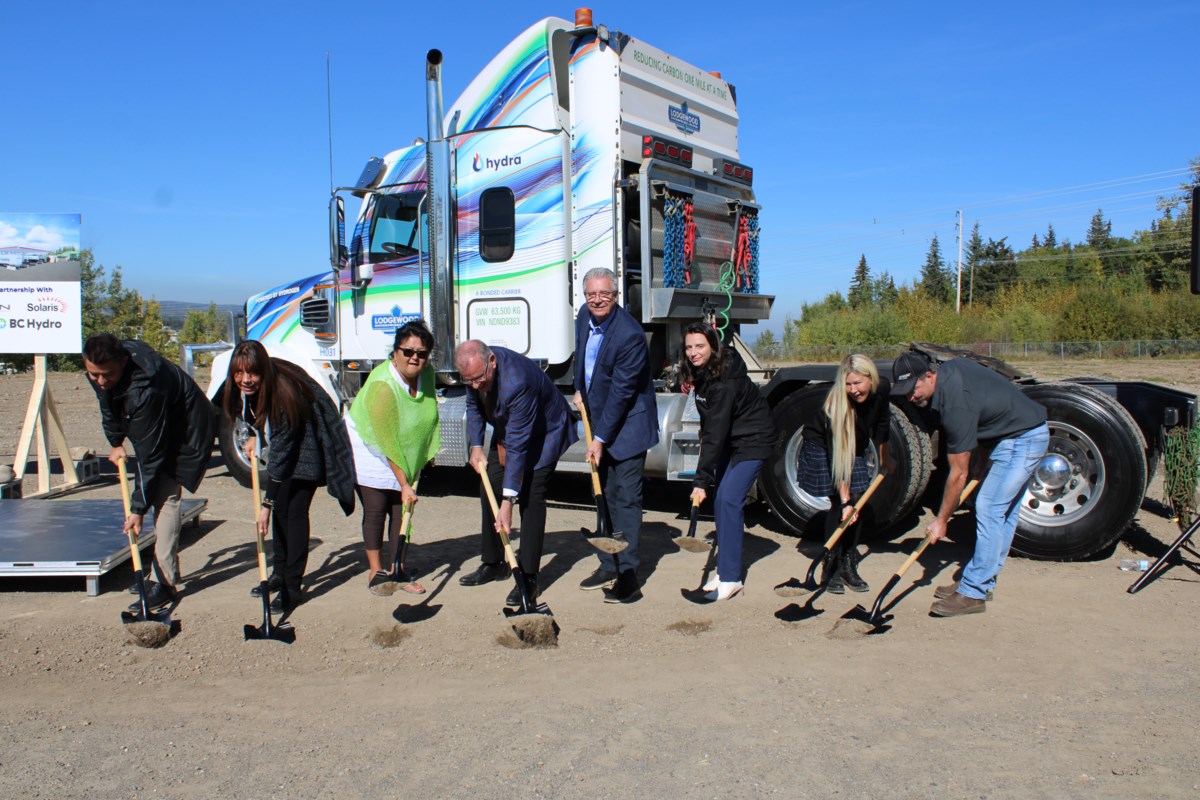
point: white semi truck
(579, 146)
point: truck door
(513, 278)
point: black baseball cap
(905, 371)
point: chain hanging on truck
(675, 276)
(1181, 471)
(689, 240)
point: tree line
(1104, 287)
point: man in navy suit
(531, 428)
(613, 380)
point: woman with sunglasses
(737, 435)
(297, 426)
(393, 427)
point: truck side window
(497, 224)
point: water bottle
(1134, 564)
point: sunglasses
(409, 352)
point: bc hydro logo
(683, 119)
(494, 164)
(392, 321)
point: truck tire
(230, 438)
(894, 499)
(1091, 483)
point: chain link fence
(1130, 348)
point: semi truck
(580, 146)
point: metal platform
(55, 538)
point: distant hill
(174, 312)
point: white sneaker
(727, 590)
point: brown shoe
(942, 592)
(957, 605)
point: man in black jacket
(171, 424)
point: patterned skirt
(812, 472)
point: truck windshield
(394, 226)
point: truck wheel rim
(1068, 482)
(791, 458)
(241, 435)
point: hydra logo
(494, 164)
(390, 322)
(683, 119)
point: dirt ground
(1068, 687)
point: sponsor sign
(40, 302)
(683, 119)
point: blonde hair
(841, 414)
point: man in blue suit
(614, 382)
(531, 428)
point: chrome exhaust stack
(439, 177)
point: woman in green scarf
(393, 428)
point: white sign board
(40, 303)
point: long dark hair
(284, 394)
(716, 367)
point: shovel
(690, 542)
(399, 577)
(145, 629)
(794, 588)
(605, 539)
(532, 622)
(280, 633)
(874, 618)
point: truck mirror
(337, 233)
(1196, 239)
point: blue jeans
(733, 484)
(998, 506)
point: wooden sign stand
(41, 417)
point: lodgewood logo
(683, 119)
(494, 164)
(392, 321)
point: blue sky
(193, 139)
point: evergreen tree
(1099, 231)
(860, 284)
(1035, 244)
(884, 289)
(154, 331)
(935, 282)
(1050, 241)
(997, 268)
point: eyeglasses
(590, 296)
(474, 382)
(411, 353)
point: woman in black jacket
(295, 422)
(838, 440)
(737, 435)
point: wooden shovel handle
(862, 501)
(962, 498)
(257, 496)
(587, 438)
(134, 552)
(509, 556)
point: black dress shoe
(514, 597)
(285, 602)
(158, 596)
(274, 584)
(600, 579)
(485, 574)
(625, 590)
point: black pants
(532, 504)
(379, 506)
(289, 532)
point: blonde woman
(851, 422)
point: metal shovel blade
(690, 542)
(268, 630)
(605, 539)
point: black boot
(848, 570)
(831, 575)
(531, 587)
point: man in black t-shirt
(974, 405)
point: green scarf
(402, 427)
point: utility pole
(958, 282)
